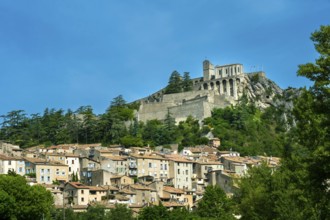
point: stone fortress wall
(219, 87)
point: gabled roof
(109, 187)
(173, 190)
(140, 187)
(77, 185)
(5, 157)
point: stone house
(79, 194)
(150, 165)
(117, 165)
(46, 171)
(16, 164)
(121, 181)
(180, 172)
(178, 195)
(143, 194)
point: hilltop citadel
(219, 87)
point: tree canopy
(18, 200)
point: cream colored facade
(79, 194)
(49, 172)
(152, 165)
(181, 171)
(12, 163)
(66, 158)
(76, 194)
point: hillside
(220, 86)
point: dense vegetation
(299, 189)
(18, 200)
(178, 83)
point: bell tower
(208, 70)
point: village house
(15, 164)
(180, 172)
(69, 159)
(200, 169)
(57, 193)
(143, 194)
(177, 195)
(117, 165)
(45, 171)
(227, 180)
(150, 165)
(121, 181)
(87, 165)
(77, 193)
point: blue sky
(67, 54)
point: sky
(66, 54)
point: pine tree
(187, 84)
(174, 83)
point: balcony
(132, 165)
(132, 172)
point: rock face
(219, 87)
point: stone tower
(208, 70)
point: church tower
(208, 70)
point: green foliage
(312, 111)
(21, 201)
(255, 78)
(120, 212)
(154, 212)
(177, 83)
(174, 83)
(130, 141)
(31, 175)
(187, 84)
(248, 130)
(299, 189)
(215, 204)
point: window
(57, 172)
(150, 165)
(161, 166)
(82, 199)
(165, 166)
(178, 171)
(48, 178)
(9, 162)
(72, 161)
(20, 169)
(82, 191)
(186, 179)
(42, 178)
(63, 173)
(186, 172)
(48, 170)
(69, 169)
(42, 171)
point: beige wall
(48, 173)
(154, 167)
(181, 172)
